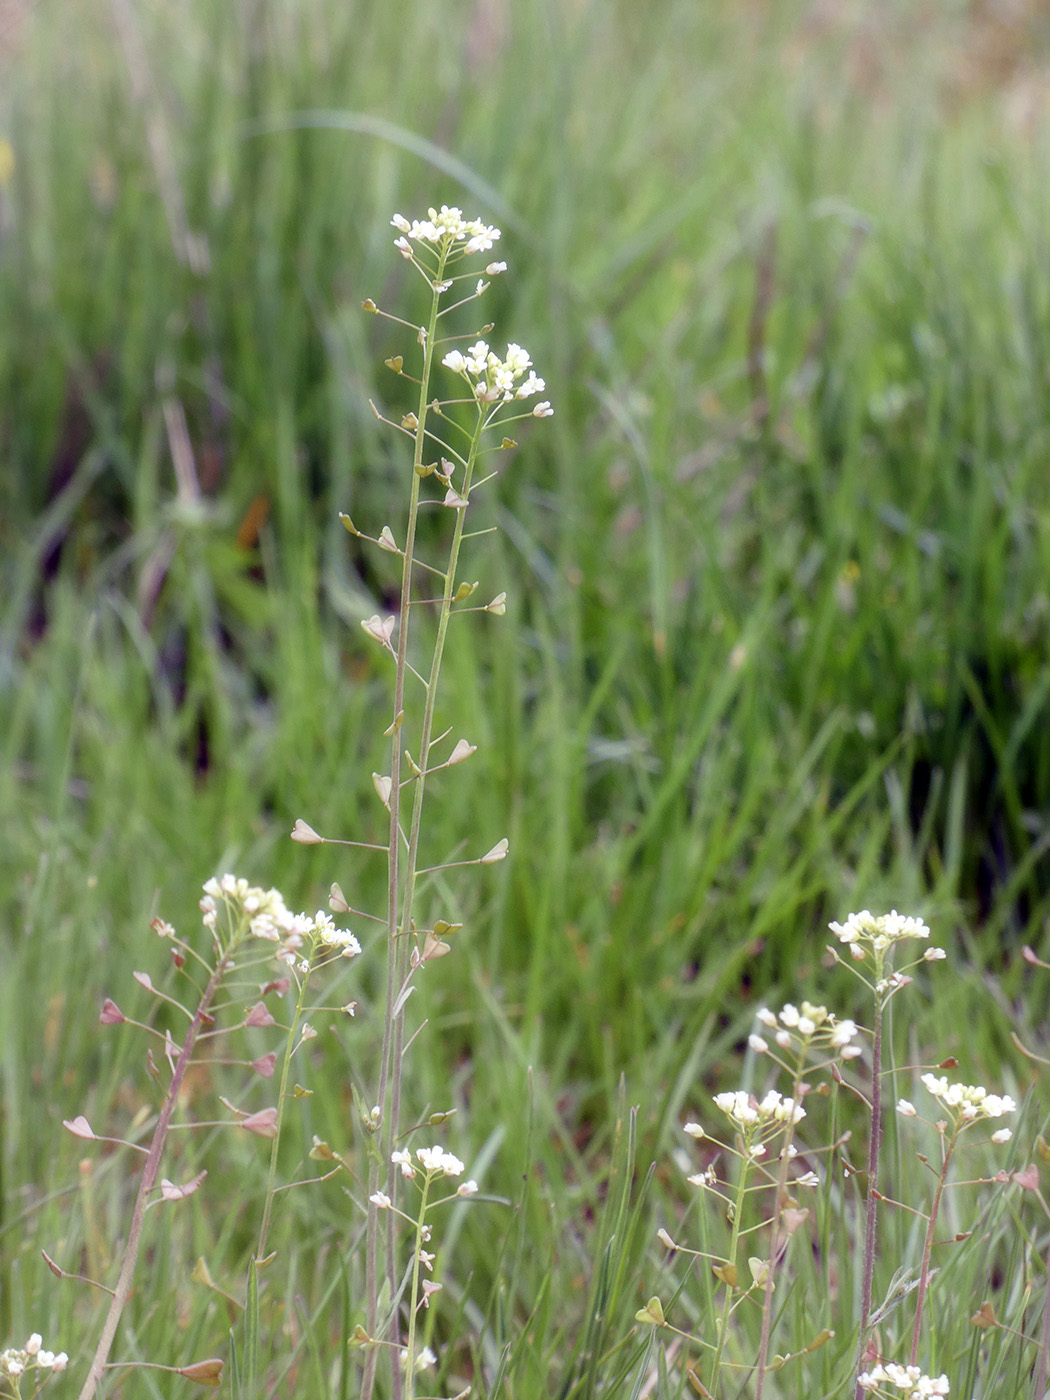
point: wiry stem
(927, 1249)
(734, 1244)
(775, 1245)
(282, 1097)
(146, 1185)
(397, 947)
(874, 1150)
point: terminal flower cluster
(444, 229)
(15, 1362)
(967, 1103)
(877, 932)
(812, 1027)
(756, 1120)
(909, 1382)
(872, 938)
(270, 918)
(435, 1161)
(745, 1111)
(493, 380)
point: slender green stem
(927, 1249)
(282, 1096)
(388, 1097)
(410, 1352)
(870, 1222)
(427, 733)
(774, 1241)
(734, 1244)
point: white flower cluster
(16, 1361)
(445, 227)
(879, 931)
(967, 1103)
(435, 1161)
(909, 1381)
(746, 1111)
(812, 1026)
(493, 380)
(757, 1120)
(271, 919)
(326, 933)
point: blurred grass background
(777, 639)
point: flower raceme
(756, 1120)
(268, 917)
(879, 930)
(908, 1381)
(434, 245)
(444, 230)
(966, 1103)
(809, 1028)
(15, 1362)
(745, 1111)
(872, 938)
(493, 380)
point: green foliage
(777, 633)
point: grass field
(775, 649)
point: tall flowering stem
(754, 1122)
(874, 1152)
(233, 912)
(313, 944)
(434, 247)
(814, 1039)
(870, 942)
(965, 1105)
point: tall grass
(777, 643)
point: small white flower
(757, 1044)
(381, 1199)
(905, 1109)
(1002, 1135)
(437, 1160)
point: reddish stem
(149, 1179)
